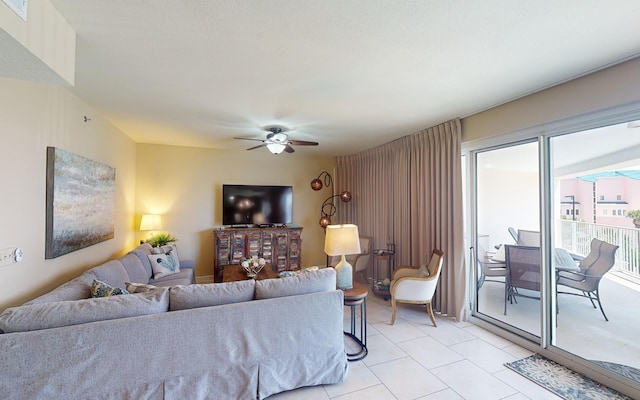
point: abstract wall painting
(80, 202)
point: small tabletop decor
(253, 266)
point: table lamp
(341, 240)
(150, 222)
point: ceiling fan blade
(245, 138)
(289, 149)
(303, 143)
(257, 147)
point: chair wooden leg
(430, 312)
(393, 311)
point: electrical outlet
(8, 256)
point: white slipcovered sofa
(239, 340)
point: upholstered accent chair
(416, 285)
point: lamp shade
(150, 222)
(341, 240)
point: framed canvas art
(80, 202)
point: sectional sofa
(169, 340)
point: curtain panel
(409, 192)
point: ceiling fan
(277, 141)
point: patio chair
(513, 233)
(489, 268)
(416, 285)
(598, 262)
(528, 238)
(523, 272)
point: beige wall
(184, 185)
(615, 86)
(32, 117)
(44, 45)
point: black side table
(357, 296)
(389, 257)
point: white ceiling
(349, 74)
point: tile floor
(414, 360)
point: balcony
(581, 329)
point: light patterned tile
(307, 393)
(407, 379)
(484, 355)
(429, 353)
(359, 377)
(517, 351)
(381, 349)
(489, 337)
(472, 382)
(446, 394)
(400, 331)
(447, 333)
(379, 392)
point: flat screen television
(257, 205)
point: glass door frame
(542, 134)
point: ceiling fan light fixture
(276, 148)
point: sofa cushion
(112, 273)
(184, 277)
(163, 265)
(75, 289)
(63, 313)
(142, 252)
(101, 289)
(134, 268)
(321, 280)
(210, 294)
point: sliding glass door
(507, 201)
(555, 222)
(596, 188)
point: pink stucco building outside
(602, 198)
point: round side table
(357, 296)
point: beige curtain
(409, 192)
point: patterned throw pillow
(138, 287)
(163, 265)
(101, 289)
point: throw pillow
(101, 289)
(172, 250)
(139, 287)
(423, 272)
(162, 265)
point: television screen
(257, 205)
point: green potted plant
(635, 216)
(161, 239)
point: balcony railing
(576, 237)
